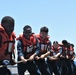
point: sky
(58, 15)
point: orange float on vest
(43, 43)
(31, 42)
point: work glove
(6, 62)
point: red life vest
(43, 43)
(55, 51)
(63, 47)
(28, 43)
(70, 52)
(64, 50)
(7, 44)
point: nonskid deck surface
(14, 70)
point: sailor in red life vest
(70, 57)
(64, 49)
(45, 47)
(63, 56)
(7, 43)
(28, 48)
(66, 59)
(53, 60)
(71, 53)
